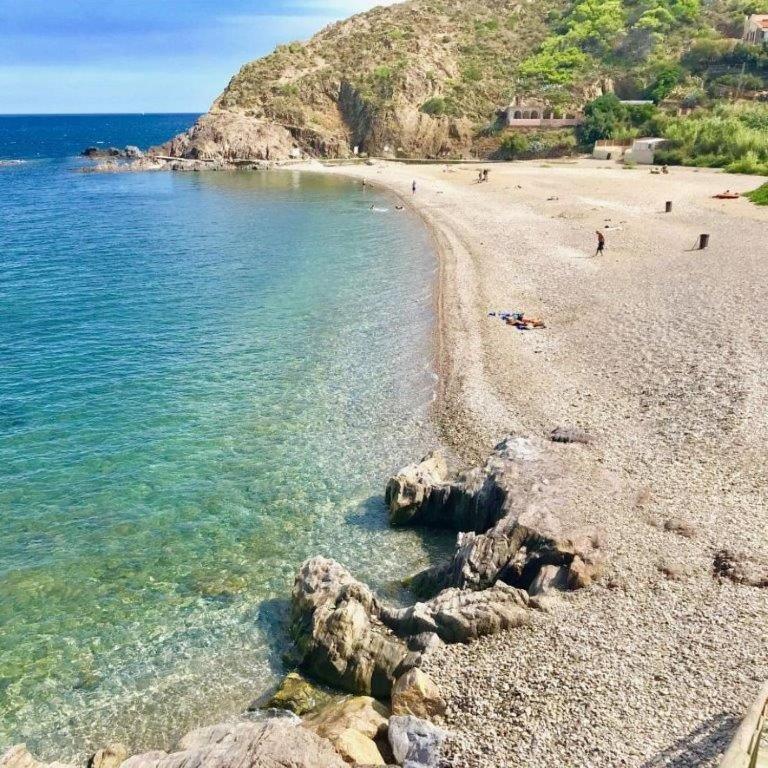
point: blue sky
(142, 55)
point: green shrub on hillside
(759, 195)
(438, 106)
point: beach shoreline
(658, 350)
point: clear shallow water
(204, 379)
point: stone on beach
(407, 490)
(362, 713)
(415, 693)
(415, 743)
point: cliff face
(419, 77)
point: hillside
(428, 77)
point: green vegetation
(759, 196)
(467, 59)
(539, 144)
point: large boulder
(458, 616)
(269, 744)
(358, 749)
(509, 515)
(415, 743)
(415, 693)
(338, 634)
(362, 713)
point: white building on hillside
(756, 29)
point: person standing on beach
(413, 187)
(600, 242)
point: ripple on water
(205, 379)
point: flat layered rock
(272, 744)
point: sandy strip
(660, 351)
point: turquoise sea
(204, 379)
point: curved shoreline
(636, 351)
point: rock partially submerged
(339, 636)
(507, 514)
(297, 695)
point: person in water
(600, 242)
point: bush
(750, 163)
(759, 196)
(603, 117)
(439, 106)
(514, 145)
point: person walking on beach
(413, 187)
(600, 242)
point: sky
(80, 56)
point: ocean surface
(204, 379)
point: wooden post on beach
(703, 242)
(668, 207)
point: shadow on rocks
(708, 740)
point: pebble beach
(659, 351)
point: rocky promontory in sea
(513, 551)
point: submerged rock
(18, 756)
(297, 695)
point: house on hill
(521, 114)
(756, 29)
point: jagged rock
(362, 713)
(229, 136)
(358, 749)
(507, 512)
(133, 153)
(297, 695)
(458, 616)
(741, 568)
(409, 488)
(415, 693)
(271, 744)
(110, 756)
(18, 756)
(415, 743)
(570, 435)
(339, 637)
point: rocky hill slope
(427, 77)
